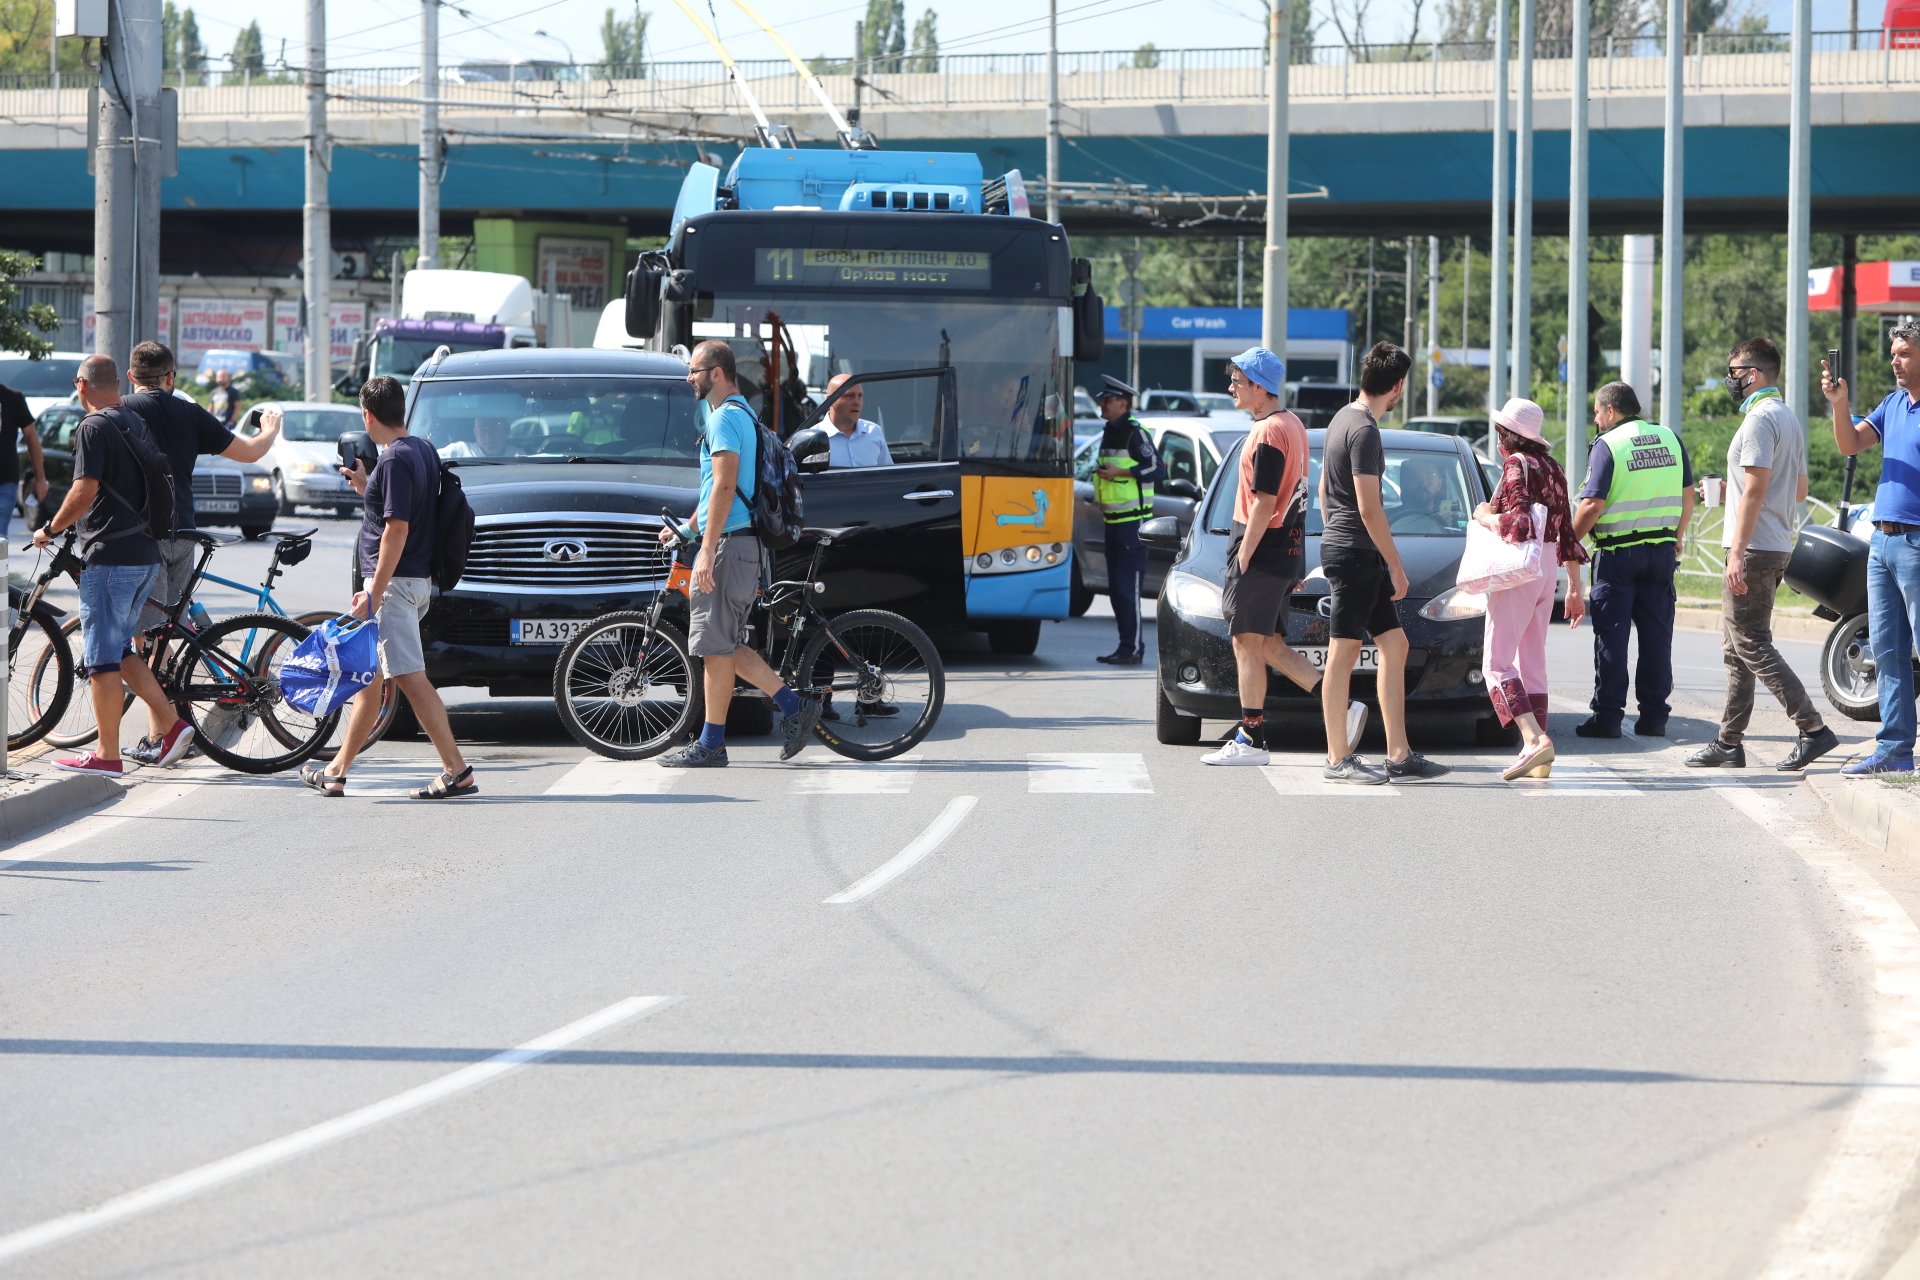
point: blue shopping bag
(338, 659)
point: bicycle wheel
(39, 679)
(239, 718)
(277, 648)
(76, 727)
(888, 697)
(627, 691)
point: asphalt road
(1132, 1016)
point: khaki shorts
(401, 651)
(720, 616)
(177, 558)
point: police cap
(1112, 386)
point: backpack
(157, 513)
(776, 503)
(452, 529)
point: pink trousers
(1516, 648)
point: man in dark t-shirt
(16, 420)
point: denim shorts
(111, 597)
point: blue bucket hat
(1263, 368)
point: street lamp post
(1497, 251)
(1577, 256)
(1273, 280)
(1673, 203)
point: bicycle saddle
(205, 539)
(290, 535)
(828, 535)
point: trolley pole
(317, 216)
(1673, 246)
(1577, 372)
(1793, 378)
(1497, 250)
(1273, 279)
(429, 135)
(1053, 111)
(1523, 217)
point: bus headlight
(1195, 597)
(1033, 555)
(1008, 556)
(1454, 605)
(983, 561)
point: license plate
(216, 504)
(1317, 655)
(544, 630)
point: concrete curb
(1878, 815)
(1784, 628)
(49, 798)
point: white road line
(254, 1159)
(923, 844)
(1853, 1200)
(1576, 776)
(842, 777)
(1558, 703)
(140, 801)
(1102, 773)
(1305, 780)
(598, 776)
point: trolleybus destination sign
(875, 268)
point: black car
(1431, 486)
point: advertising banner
(225, 324)
(290, 336)
(87, 325)
(579, 268)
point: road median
(41, 797)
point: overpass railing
(1716, 62)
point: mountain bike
(627, 687)
(39, 657)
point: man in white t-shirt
(1766, 483)
(855, 442)
(489, 441)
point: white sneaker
(1356, 724)
(1237, 751)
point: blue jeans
(111, 597)
(1632, 591)
(1893, 614)
(1126, 576)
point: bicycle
(230, 697)
(627, 688)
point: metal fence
(1630, 65)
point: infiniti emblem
(1325, 606)
(564, 550)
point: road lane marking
(1854, 1199)
(253, 1159)
(598, 776)
(1305, 780)
(842, 777)
(1576, 776)
(1082, 772)
(923, 844)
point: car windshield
(1225, 440)
(1425, 493)
(654, 421)
(49, 377)
(319, 426)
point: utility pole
(1239, 272)
(1133, 308)
(1410, 335)
(1497, 250)
(1053, 111)
(317, 216)
(1793, 378)
(1673, 246)
(1273, 281)
(1849, 310)
(1433, 325)
(1577, 256)
(859, 66)
(1366, 340)
(1523, 218)
(126, 162)
(429, 135)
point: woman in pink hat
(1517, 618)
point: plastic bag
(1491, 563)
(338, 659)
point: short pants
(719, 617)
(1362, 596)
(177, 558)
(111, 597)
(1256, 601)
(401, 651)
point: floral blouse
(1527, 479)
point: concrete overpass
(1395, 141)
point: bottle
(197, 615)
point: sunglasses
(1734, 370)
(703, 369)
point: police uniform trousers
(1126, 577)
(1632, 592)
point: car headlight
(1454, 604)
(263, 484)
(1193, 596)
(306, 468)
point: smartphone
(1833, 362)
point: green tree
(248, 54)
(1146, 56)
(925, 52)
(192, 52)
(884, 35)
(18, 322)
(623, 43)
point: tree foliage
(623, 41)
(924, 55)
(180, 45)
(884, 35)
(21, 325)
(248, 52)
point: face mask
(1736, 385)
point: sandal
(450, 785)
(327, 784)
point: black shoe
(1123, 658)
(695, 756)
(1718, 755)
(1646, 728)
(1809, 747)
(1592, 728)
(798, 727)
(875, 710)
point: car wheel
(1489, 732)
(1169, 726)
(1081, 598)
(280, 494)
(1018, 637)
(1846, 670)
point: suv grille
(616, 554)
(208, 484)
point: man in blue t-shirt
(726, 572)
(1893, 566)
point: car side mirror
(1181, 489)
(811, 449)
(643, 301)
(1161, 532)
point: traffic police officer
(1123, 481)
(1637, 504)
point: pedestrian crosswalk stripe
(836, 775)
(1104, 773)
(596, 776)
(1305, 780)
(1577, 776)
(387, 779)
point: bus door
(907, 555)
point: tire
(40, 686)
(76, 728)
(1489, 732)
(280, 494)
(1080, 599)
(749, 717)
(1846, 670)
(239, 718)
(1017, 638)
(1169, 726)
(624, 691)
(898, 667)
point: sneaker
(175, 744)
(87, 762)
(798, 727)
(145, 751)
(1123, 658)
(1875, 763)
(1355, 770)
(1237, 750)
(1592, 728)
(1809, 747)
(1645, 728)
(695, 756)
(1416, 768)
(1356, 724)
(1718, 755)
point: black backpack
(778, 510)
(452, 529)
(157, 512)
